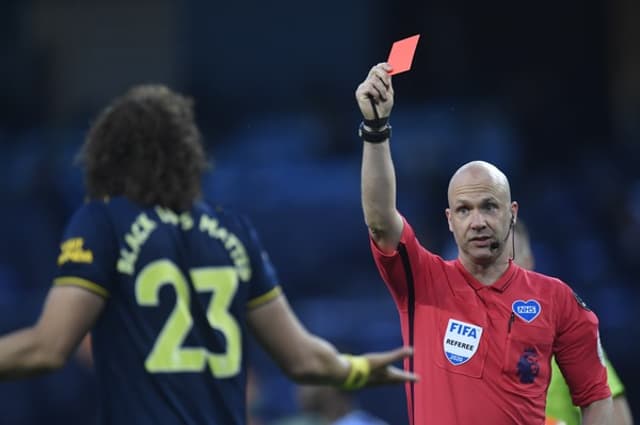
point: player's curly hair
(145, 146)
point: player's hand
(382, 370)
(377, 87)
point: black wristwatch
(378, 135)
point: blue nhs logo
(527, 309)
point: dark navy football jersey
(169, 346)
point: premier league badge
(461, 341)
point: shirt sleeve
(400, 269)
(263, 286)
(578, 350)
(88, 251)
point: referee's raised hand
(376, 90)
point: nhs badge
(461, 341)
(526, 310)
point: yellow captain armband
(359, 371)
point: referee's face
(479, 216)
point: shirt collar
(499, 285)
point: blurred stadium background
(547, 90)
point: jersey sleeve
(578, 350)
(263, 286)
(88, 251)
(400, 269)
(615, 384)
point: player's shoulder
(218, 211)
(90, 220)
(226, 215)
(91, 209)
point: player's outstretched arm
(375, 100)
(306, 358)
(68, 314)
(598, 413)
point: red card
(401, 55)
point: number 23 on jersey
(168, 354)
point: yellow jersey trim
(264, 298)
(82, 283)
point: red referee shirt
(483, 352)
